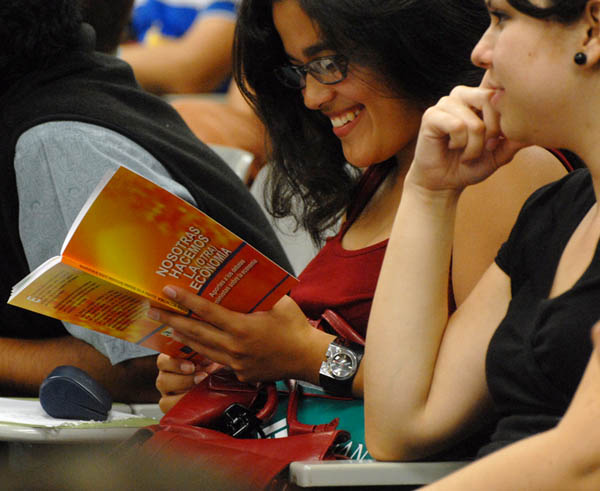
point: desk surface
(85, 432)
(24, 434)
(368, 472)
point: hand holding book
(267, 345)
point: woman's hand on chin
(460, 142)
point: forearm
(537, 463)
(566, 457)
(25, 363)
(169, 69)
(196, 63)
(408, 318)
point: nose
(316, 94)
(481, 55)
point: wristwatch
(340, 366)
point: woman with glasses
(338, 82)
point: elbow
(388, 446)
(389, 440)
(195, 86)
(391, 451)
(384, 453)
(202, 81)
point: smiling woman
(341, 82)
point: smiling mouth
(345, 118)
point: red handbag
(198, 431)
(217, 426)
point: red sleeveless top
(342, 280)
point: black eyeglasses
(327, 70)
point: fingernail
(153, 314)
(187, 366)
(170, 292)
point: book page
(73, 296)
(85, 207)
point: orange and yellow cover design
(132, 238)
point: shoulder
(487, 212)
(575, 187)
(502, 196)
(63, 133)
(69, 146)
(72, 157)
(549, 207)
(86, 143)
(546, 219)
(530, 169)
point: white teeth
(344, 118)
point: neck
(404, 159)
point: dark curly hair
(34, 32)
(420, 48)
(565, 11)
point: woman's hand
(177, 376)
(460, 141)
(271, 345)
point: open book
(132, 238)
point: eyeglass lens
(326, 70)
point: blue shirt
(172, 18)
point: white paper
(31, 413)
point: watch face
(342, 365)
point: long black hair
(419, 48)
(564, 11)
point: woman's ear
(591, 20)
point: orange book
(132, 238)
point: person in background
(230, 122)
(69, 115)
(335, 82)
(183, 47)
(520, 343)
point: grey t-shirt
(57, 166)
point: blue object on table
(71, 393)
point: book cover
(132, 238)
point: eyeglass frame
(340, 61)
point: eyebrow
(310, 51)
(315, 49)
